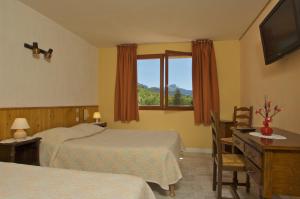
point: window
(155, 72)
(150, 81)
(179, 82)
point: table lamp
(19, 125)
(97, 116)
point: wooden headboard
(42, 118)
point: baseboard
(197, 150)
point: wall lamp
(36, 50)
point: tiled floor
(197, 181)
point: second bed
(147, 154)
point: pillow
(88, 127)
(54, 132)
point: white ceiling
(106, 23)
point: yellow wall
(227, 53)
(280, 80)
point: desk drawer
(238, 143)
(254, 172)
(254, 155)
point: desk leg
(261, 196)
(267, 176)
(234, 173)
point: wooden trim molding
(254, 20)
(150, 108)
(47, 107)
(42, 118)
(180, 108)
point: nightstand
(25, 151)
(102, 124)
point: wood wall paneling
(42, 118)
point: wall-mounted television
(280, 30)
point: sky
(180, 72)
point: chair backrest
(242, 116)
(216, 137)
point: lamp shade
(97, 115)
(20, 123)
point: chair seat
(233, 161)
(227, 141)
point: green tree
(177, 97)
(147, 96)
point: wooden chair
(242, 118)
(225, 162)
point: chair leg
(235, 195)
(235, 180)
(247, 183)
(235, 174)
(214, 176)
(219, 187)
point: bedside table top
(102, 124)
(28, 139)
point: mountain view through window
(149, 82)
(179, 82)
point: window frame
(161, 57)
(164, 66)
(169, 53)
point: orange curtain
(126, 100)
(205, 81)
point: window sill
(150, 108)
(172, 108)
(179, 108)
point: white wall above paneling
(69, 79)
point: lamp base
(19, 134)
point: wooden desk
(274, 165)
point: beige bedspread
(150, 155)
(32, 182)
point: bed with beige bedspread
(31, 182)
(147, 154)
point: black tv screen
(280, 31)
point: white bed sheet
(31, 182)
(150, 155)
